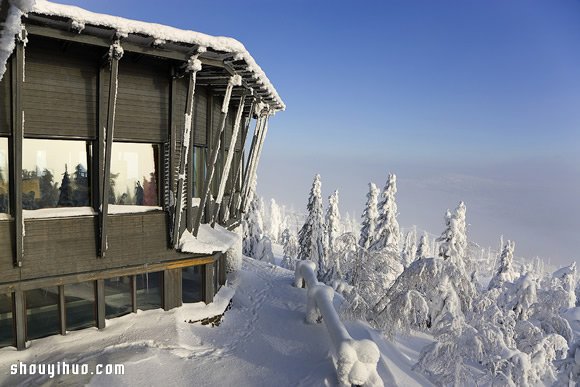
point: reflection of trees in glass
(150, 190)
(48, 190)
(139, 194)
(4, 195)
(30, 187)
(112, 183)
(81, 186)
(65, 199)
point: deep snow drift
(262, 341)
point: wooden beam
(240, 164)
(185, 162)
(207, 282)
(252, 173)
(115, 56)
(100, 300)
(16, 147)
(214, 156)
(227, 165)
(252, 155)
(62, 309)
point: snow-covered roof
(253, 73)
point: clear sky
(465, 100)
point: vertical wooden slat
(109, 133)
(251, 157)
(16, 148)
(190, 174)
(208, 283)
(134, 293)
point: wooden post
(19, 310)
(208, 291)
(134, 293)
(256, 162)
(258, 135)
(115, 54)
(240, 170)
(16, 147)
(194, 65)
(228, 162)
(62, 309)
(100, 300)
(235, 80)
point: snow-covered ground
(262, 341)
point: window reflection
(55, 174)
(6, 322)
(149, 290)
(134, 174)
(4, 173)
(191, 284)
(118, 300)
(42, 312)
(199, 169)
(80, 305)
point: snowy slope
(262, 341)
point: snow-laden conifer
(274, 222)
(453, 241)
(505, 272)
(409, 248)
(387, 231)
(424, 247)
(253, 227)
(370, 216)
(291, 247)
(333, 224)
(312, 238)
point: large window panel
(149, 288)
(43, 318)
(80, 305)
(118, 300)
(134, 175)
(199, 169)
(6, 321)
(55, 173)
(191, 284)
(4, 175)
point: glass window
(80, 305)
(4, 175)
(6, 321)
(43, 318)
(149, 290)
(55, 173)
(134, 175)
(199, 169)
(191, 284)
(118, 300)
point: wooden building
(117, 137)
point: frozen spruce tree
(453, 241)
(423, 249)
(370, 216)
(332, 221)
(275, 221)
(290, 243)
(505, 272)
(387, 232)
(253, 227)
(312, 238)
(409, 248)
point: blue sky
(465, 100)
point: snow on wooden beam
(251, 157)
(115, 55)
(355, 361)
(235, 80)
(260, 145)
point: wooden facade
(70, 88)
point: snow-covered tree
(409, 248)
(370, 216)
(275, 220)
(312, 238)
(505, 272)
(387, 231)
(332, 221)
(424, 247)
(291, 247)
(454, 238)
(253, 228)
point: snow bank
(208, 241)
(355, 360)
(234, 253)
(11, 28)
(160, 33)
(200, 310)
